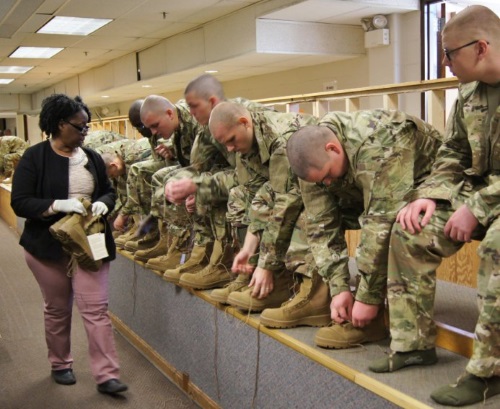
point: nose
(445, 61)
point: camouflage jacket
(268, 162)
(94, 139)
(389, 153)
(131, 151)
(467, 169)
(12, 144)
(213, 187)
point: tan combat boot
(128, 235)
(345, 335)
(215, 274)
(177, 249)
(149, 240)
(199, 258)
(311, 306)
(159, 249)
(244, 300)
(237, 285)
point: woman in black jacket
(51, 178)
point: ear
(243, 120)
(213, 101)
(482, 47)
(333, 146)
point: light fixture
(73, 25)
(6, 81)
(146, 86)
(14, 69)
(35, 52)
(211, 71)
(104, 96)
(377, 22)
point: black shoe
(112, 386)
(64, 376)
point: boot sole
(252, 308)
(314, 321)
(324, 343)
(197, 286)
(221, 300)
(171, 279)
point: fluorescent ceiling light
(14, 69)
(147, 86)
(35, 52)
(104, 96)
(211, 71)
(5, 81)
(73, 25)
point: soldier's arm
(287, 207)
(326, 237)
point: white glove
(99, 209)
(69, 206)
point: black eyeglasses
(449, 52)
(82, 129)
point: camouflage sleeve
(214, 188)
(326, 236)
(485, 203)
(446, 177)
(207, 153)
(287, 207)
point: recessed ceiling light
(147, 86)
(5, 81)
(14, 69)
(104, 96)
(35, 52)
(211, 71)
(73, 25)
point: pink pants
(90, 291)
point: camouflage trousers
(207, 223)
(413, 260)
(242, 212)
(139, 187)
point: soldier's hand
(191, 203)
(69, 206)
(363, 313)
(164, 152)
(262, 283)
(341, 307)
(240, 263)
(409, 216)
(120, 222)
(177, 191)
(461, 224)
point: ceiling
(140, 24)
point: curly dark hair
(57, 108)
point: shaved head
(474, 23)
(306, 149)
(227, 114)
(155, 104)
(205, 86)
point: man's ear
(243, 120)
(333, 146)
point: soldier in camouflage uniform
(118, 157)
(259, 140)
(11, 150)
(459, 202)
(355, 169)
(202, 95)
(139, 190)
(196, 152)
(94, 139)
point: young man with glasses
(459, 202)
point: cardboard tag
(97, 245)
